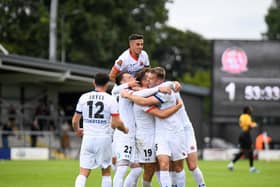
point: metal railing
(46, 139)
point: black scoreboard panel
(245, 73)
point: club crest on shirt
(234, 60)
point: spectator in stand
(42, 112)
(8, 131)
(34, 128)
(65, 138)
(12, 112)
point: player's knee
(164, 165)
(84, 172)
(148, 175)
(192, 167)
(178, 168)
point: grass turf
(62, 173)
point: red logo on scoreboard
(234, 60)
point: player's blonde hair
(159, 71)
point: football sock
(106, 181)
(165, 179)
(158, 176)
(119, 175)
(132, 178)
(173, 177)
(251, 159)
(180, 178)
(80, 181)
(237, 157)
(198, 176)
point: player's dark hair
(247, 110)
(101, 79)
(135, 37)
(141, 74)
(159, 71)
(119, 77)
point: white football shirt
(96, 109)
(183, 115)
(130, 64)
(170, 124)
(145, 123)
(126, 115)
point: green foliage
(100, 32)
(200, 78)
(180, 52)
(24, 27)
(272, 20)
(95, 32)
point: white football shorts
(96, 152)
(190, 140)
(145, 148)
(173, 145)
(125, 149)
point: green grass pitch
(58, 173)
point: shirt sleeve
(79, 105)
(162, 97)
(114, 107)
(117, 89)
(168, 84)
(120, 63)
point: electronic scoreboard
(245, 73)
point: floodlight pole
(52, 27)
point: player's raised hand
(176, 86)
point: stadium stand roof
(43, 67)
(61, 72)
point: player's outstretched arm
(155, 111)
(113, 74)
(174, 85)
(138, 99)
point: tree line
(95, 32)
